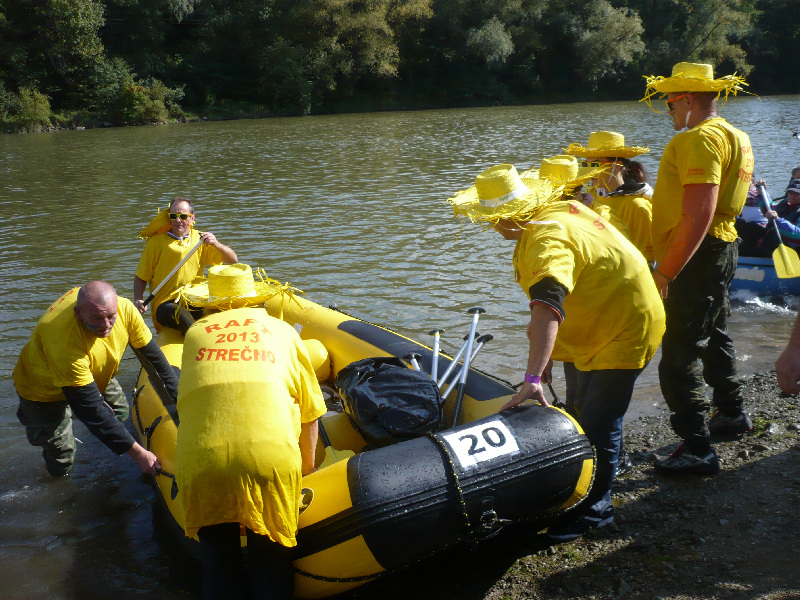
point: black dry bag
(387, 401)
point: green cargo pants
(49, 425)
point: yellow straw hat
(500, 193)
(231, 286)
(563, 170)
(692, 77)
(606, 144)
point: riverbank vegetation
(68, 63)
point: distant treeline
(72, 62)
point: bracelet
(670, 279)
(532, 378)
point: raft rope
(490, 524)
(148, 433)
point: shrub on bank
(26, 111)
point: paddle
(332, 455)
(175, 270)
(787, 263)
(476, 314)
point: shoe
(575, 528)
(722, 424)
(684, 460)
(624, 465)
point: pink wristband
(532, 378)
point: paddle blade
(787, 263)
(332, 456)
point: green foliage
(608, 40)
(28, 111)
(136, 61)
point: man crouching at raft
(248, 434)
(67, 368)
(592, 302)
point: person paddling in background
(66, 368)
(592, 301)
(703, 179)
(623, 186)
(163, 252)
(247, 435)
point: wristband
(670, 279)
(532, 378)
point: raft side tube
(406, 504)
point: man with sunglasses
(702, 184)
(163, 252)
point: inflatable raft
(758, 275)
(381, 510)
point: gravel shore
(734, 535)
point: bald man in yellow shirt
(67, 366)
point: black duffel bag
(388, 402)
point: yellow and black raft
(377, 511)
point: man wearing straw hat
(67, 370)
(163, 252)
(248, 403)
(592, 302)
(703, 180)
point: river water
(349, 208)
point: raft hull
(758, 275)
(383, 509)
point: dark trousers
(266, 574)
(49, 425)
(696, 348)
(171, 314)
(601, 399)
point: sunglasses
(591, 163)
(181, 216)
(669, 101)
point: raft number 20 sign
(485, 441)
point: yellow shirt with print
(712, 152)
(163, 253)
(614, 317)
(62, 353)
(247, 384)
(637, 214)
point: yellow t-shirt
(62, 353)
(711, 152)
(637, 214)
(610, 215)
(246, 386)
(162, 253)
(614, 317)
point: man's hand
(147, 461)
(209, 239)
(528, 391)
(662, 283)
(140, 305)
(771, 214)
(788, 368)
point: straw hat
(229, 286)
(563, 169)
(692, 77)
(606, 144)
(500, 193)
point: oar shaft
(171, 273)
